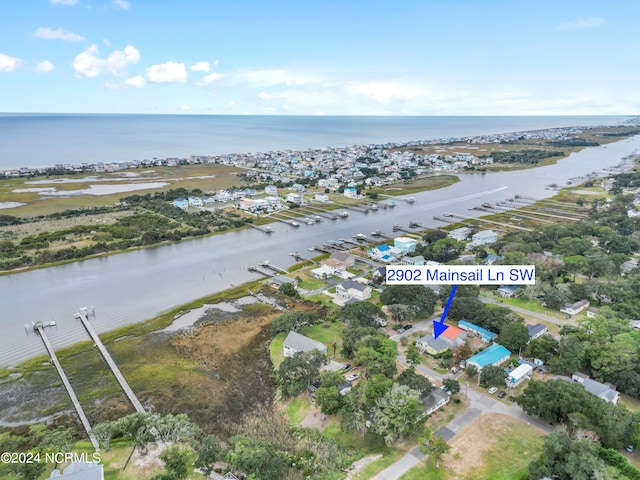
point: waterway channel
(137, 285)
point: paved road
(539, 316)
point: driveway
(539, 316)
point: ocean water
(36, 140)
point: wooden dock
(83, 316)
(266, 229)
(257, 269)
(72, 395)
(268, 264)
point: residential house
(80, 471)
(250, 192)
(508, 291)
(460, 234)
(344, 258)
(433, 346)
(454, 336)
(351, 192)
(493, 355)
(280, 280)
(356, 290)
(405, 244)
(344, 388)
(537, 330)
(323, 272)
(477, 330)
(413, 261)
(575, 308)
(296, 343)
(484, 237)
(382, 253)
(182, 203)
(208, 200)
(271, 190)
(195, 201)
(297, 187)
(519, 375)
(592, 312)
(295, 198)
(321, 197)
(490, 259)
(606, 392)
(435, 400)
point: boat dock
(320, 212)
(83, 316)
(268, 264)
(39, 327)
(257, 269)
(262, 229)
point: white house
(321, 197)
(537, 330)
(295, 198)
(351, 192)
(574, 309)
(295, 343)
(405, 244)
(195, 201)
(323, 272)
(460, 234)
(271, 190)
(519, 375)
(356, 290)
(484, 237)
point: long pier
(84, 318)
(267, 264)
(266, 229)
(72, 395)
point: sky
(329, 57)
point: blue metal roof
(487, 336)
(489, 356)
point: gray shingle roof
(300, 343)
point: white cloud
(57, 34)
(265, 96)
(232, 103)
(45, 67)
(64, 2)
(9, 64)
(121, 4)
(200, 67)
(384, 92)
(216, 62)
(269, 78)
(581, 23)
(137, 82)
(169, 72)
(89, 65)
(185, 108)
(208, 79)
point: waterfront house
(381, 253)
(405, 244)
(351, 192)
(323, 272)
(195, 201)
(280, 280)
(295, 198)
(297, 343)
(493, 355)
(321, 197)
(484, 237)
(343, 258)
(460, 234)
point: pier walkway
(84, 318)
(67, 385)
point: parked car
(346, 366)
(352, 377)
(629, 448)
(493, 390)
(408, 326)
(502, 394)
(543, 369)
(401, 330)
(455, 370)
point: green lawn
(332, 333)
(298, 409)
(277, 350)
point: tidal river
(134, 286)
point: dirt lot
(487, 441)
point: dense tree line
(525, 157)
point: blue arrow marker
(440, 327)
